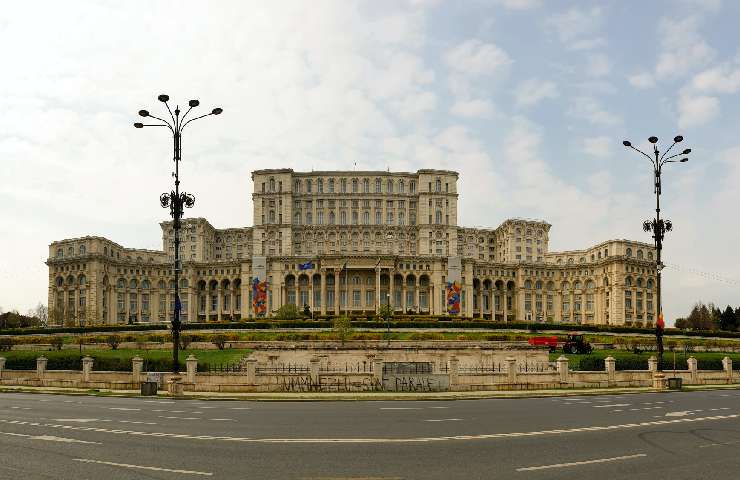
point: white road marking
(79, 420)
(179, 418)
(585, 462)
(613, 405)
(444, 420)
(377, 440)
(222, 419)
(156, 401)
(135, 422)
(142, 467)
(235, 408)
(21, 408)
(679, 414)
(48, 438)
(400, 408)
(125, 409)
(439, 407)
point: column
(310, 293)
(417, 287)
(219, 301)
(323, 292)
(377, 289)
(468, 300)
(504, 303)
(480, 300)
(392, 298)
(336, 291)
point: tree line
(710, 317)
(36, 317)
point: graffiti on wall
(327, 383)
(416, 383)
(453, 297)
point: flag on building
(306, 266)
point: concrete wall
(325, 372)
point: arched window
(590, 285)
(172, 284)
(377, 186)
(570, 260)
(438, 217)
(272, 184)
(145, 284)
(160, 285)
(297, 186)
(628, 281)
(71, 251)
(60, 253)
(639, 254)
(650, 283)
(354, 185)
(184, 283)
(438, 185)
(401, 187)
(365, 186)
(320, 185)
(639, 283)
(389, 186)
(105, 251)
(271, 216)
(538, 285)
(577, 285)
(331, 185)
(309, 186)
(629, 252)
(121, 283)
(82, 280)
(564, 286)
(343, 185)
(412, 187)
(133, 283)
(331, 218)
(528, 284)
(82, 249)
(650, 255)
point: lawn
(627, 360)
(120, 360)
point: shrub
(288, 312)
(113, 341)
(6, 344)
(57, 342)
(185, 341)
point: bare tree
(42, 313)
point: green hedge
(597, 364)
(369, 321)
(71, 360)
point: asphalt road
(642, 436)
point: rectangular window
(590, 302)
(356, 298)
(576, 303)
(370, 298)
(527, 302)
(214, 303)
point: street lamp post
(175, 201)
(658, 226)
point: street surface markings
(445, 420)
(376, 440)
(133, 422)
(643, 408)
(439, 407)
(613, 405)
(585, 462)
(79, 420)
(156, 401)
(142, 467)
(48, 438)
(222, 419)
(722, 444)
(179, 418)
(22, 408)
(400, 408)
(125, 409)
(235, 408)
(681, 413)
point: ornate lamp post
(658, 226)
(175, 200)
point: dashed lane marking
(585, 462)
(613, 405)
(444, 420)
(143, 467)
(48, 438)
(375, 440)
(125, 409)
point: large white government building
(369, 238)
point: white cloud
(590, 109)
(598, 65)
(521, 4)
(642, 80)
(473, 108)
(683, 49)
(722, 79)
(532, 91)
(600, 147)
(578, 28)
(474, 57)
(695, 110)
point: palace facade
(348, 242)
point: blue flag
(305, 266)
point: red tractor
(575, 343)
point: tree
(343, 328)
(727, 320)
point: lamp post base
(659, 381)
(175, 387)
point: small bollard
(41, 366)
(87, 366)
(192, 368)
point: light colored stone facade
(373, 238)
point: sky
(529, 100)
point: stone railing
(376, 376)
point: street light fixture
(658, 226)
(175, 200)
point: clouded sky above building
(529, 100)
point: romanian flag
(306, 266)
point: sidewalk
(364, 396)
